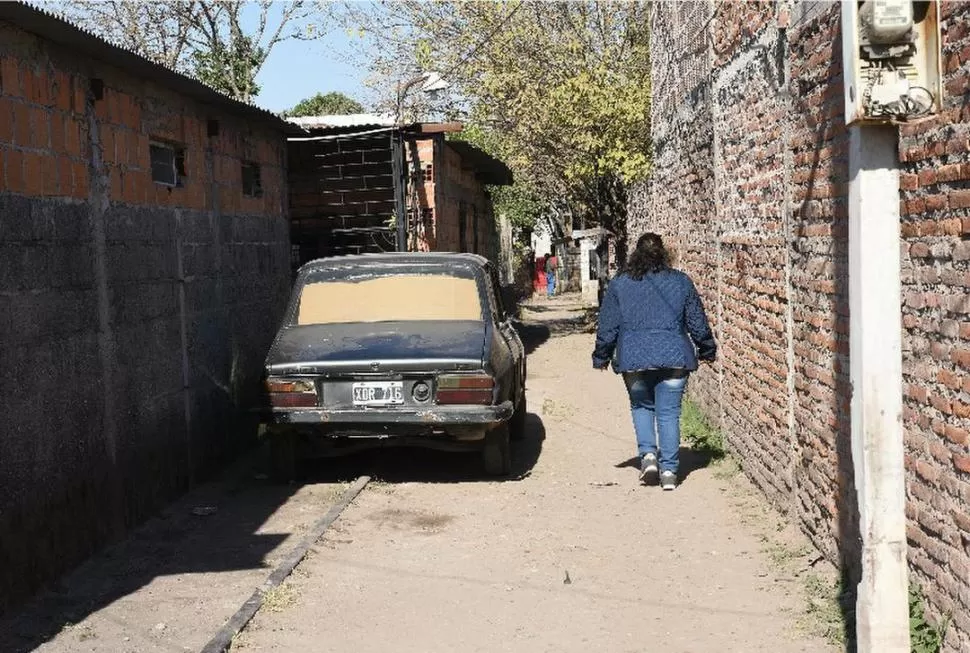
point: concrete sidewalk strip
(223, 639)
(176, 580)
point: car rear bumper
(436, 416)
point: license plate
(378, 393)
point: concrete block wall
(135, 315)
(750, 188)
(340, 184)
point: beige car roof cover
(390, 298)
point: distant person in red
(552, 264)
(539, 281)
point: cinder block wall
(750, 187)
(337, 185)
(135, 316)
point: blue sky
(299, 69)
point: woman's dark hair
(649, 256)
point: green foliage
(560, 91)
(699, 433)
(519, 202)
(326, 104)
(230, 69)
(924, 637)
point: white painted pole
(875, 344)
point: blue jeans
(551, 284)
(655, 400)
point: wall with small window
(465, 220)
(144, 262)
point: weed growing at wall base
(924, 637)
(829, 609)
(703, 438)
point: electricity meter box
(891, 59)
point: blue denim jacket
(652, 323)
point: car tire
(517, 425)
(497, 453)
(283, 455)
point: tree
(326, 104)
(558, 90)
(202, 38)
(230, 69)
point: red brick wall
(935, 207)
(45, 139)
(750, 188)
(453, 194)
(424, 180)
(135, 317)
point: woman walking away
(653, 327)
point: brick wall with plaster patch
(750, 189)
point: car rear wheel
(497, 454)
(517, 423)
(283, 454)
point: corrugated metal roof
(347, 120)
(39, 21)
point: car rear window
(389, 298)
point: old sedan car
(407, 348)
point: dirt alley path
(572, 556)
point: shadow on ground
(534, 334)
(211, 529)
(394, 464)
(690, 462)
(179, 541)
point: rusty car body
(395, 349)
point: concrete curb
(223, 639)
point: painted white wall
(541, 239)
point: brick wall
(424, 178)
(935, 207)
(750, 189)
(460, 198)
(135, 315)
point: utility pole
(875, 352)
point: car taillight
(291, 393)
(465, 389)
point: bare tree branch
(205, 38)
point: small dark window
(168, 164)
(251, 183)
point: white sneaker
(668, 480)
(649, 469)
